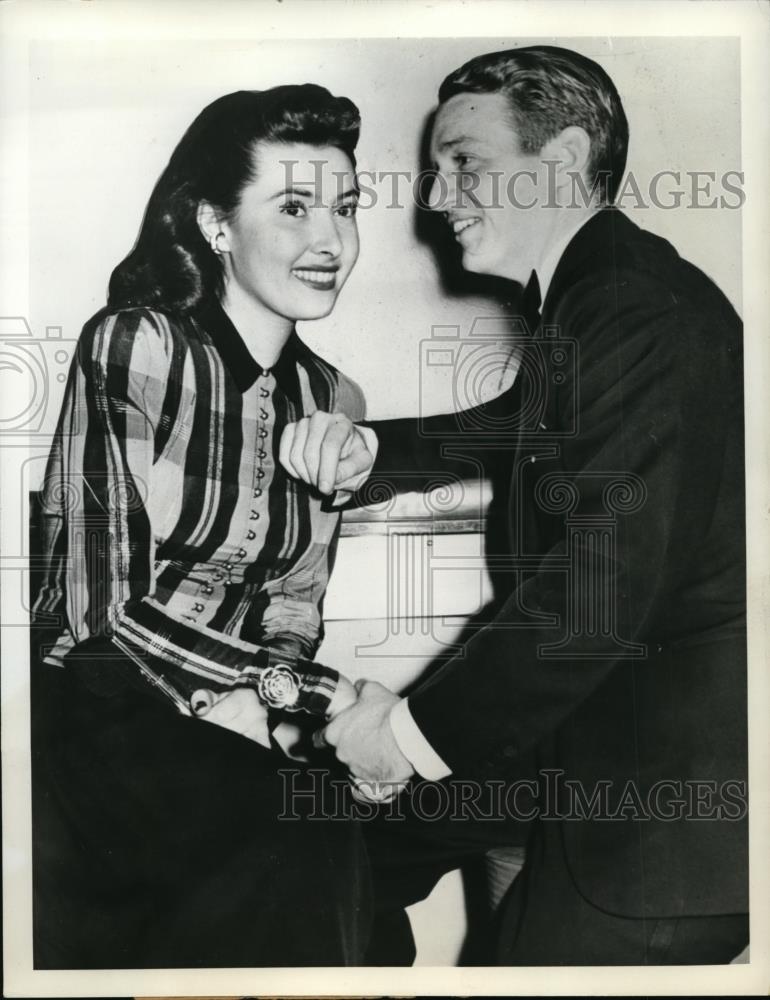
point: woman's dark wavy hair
(172, 266)
(547, 89)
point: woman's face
(293, 239)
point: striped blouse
(170, 528)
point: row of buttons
(254, 515)
(261, 456)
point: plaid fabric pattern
(168, 521)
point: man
(618, 659)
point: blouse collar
(237, 358)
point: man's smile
(463, 224)
(460, 225)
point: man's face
(485, 184)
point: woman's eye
(296, 209)
(462, 160)
(347, 211)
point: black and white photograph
(384, 497)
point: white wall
(104, 119)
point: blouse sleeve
(104, 455)
(292, 607)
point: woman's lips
(321, 281)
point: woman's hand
(242, 712)
(295, 738)
(239, 710)
(345, 696)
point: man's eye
(296, 209)
(462, 160)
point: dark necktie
(530, 304)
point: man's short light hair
(549, 89)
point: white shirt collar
(547, 266)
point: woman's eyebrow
(307, 193)
(302, 192)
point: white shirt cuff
(413, 744)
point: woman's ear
(570, 150)
(210, 225)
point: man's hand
(239, 710)
(363, 739)
(328, 451)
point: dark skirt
(162, 841)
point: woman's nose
(326, 237)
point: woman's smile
(322, 279)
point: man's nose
(440, 193)
(326, 237)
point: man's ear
(570, 150)
(210, 224)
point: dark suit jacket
(619, 655)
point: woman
(188, 570)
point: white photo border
(49, 20)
